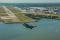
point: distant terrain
(31, 4)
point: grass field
(2, 10)
(23, 18)
(20, 15)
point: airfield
(13, 15)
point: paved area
(11, 14)
(15, 17)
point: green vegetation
(2, 10)
(50, 16)
(14, 10)
(23, 18)
(52, 7)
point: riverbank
(49, 16)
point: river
(47, 29)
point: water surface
(47, 29)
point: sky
(29, 1)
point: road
(11, 14)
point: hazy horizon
(29, 1)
